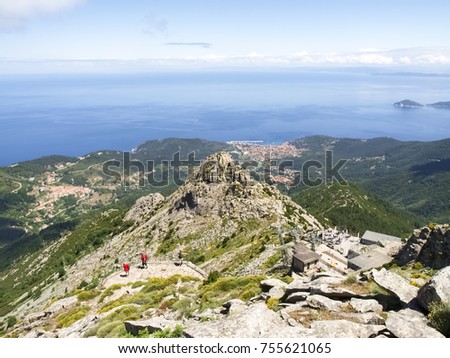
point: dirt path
(155, 269)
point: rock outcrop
(144, 207)
(408, 323)
(395, 284)
(435, 290)
(429, 246)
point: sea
(76, 114)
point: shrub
(212, 277)
(439, 317)
(417, 266)
(351, 279)
(11, 321)
(109, 291)
(177, 332)
(185, 307)
(272, 303)
(87, 295)
(73, 315)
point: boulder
(285, 313)
(363, 306)
(395, 284)
(332, 292)
(318, 275)
(408, 323)
(267, 285)
(256, 322)
(276, 292)
(296, 297)
(297, 286)
(321, 302)
(344, 329)
(152, 325)
(233, 306)
(435, 290)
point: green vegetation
(351, 279)
(112, 325)
(272, 304)
(352, 208)
(109, 291)
(93, 230)
(177, 332)
(227, 288)
(439, 317)
(87, 295)
(73, 315)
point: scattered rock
(321, 302)
(276, 292)
(408, 323)
(395, 284)
(256, 322)
(296, 297)
(296, 286)
(363, 306)
(267, 285)
(344, 329)
(332, 292)
(435, 290)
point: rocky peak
(220, 168)
(429, 246)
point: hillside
(350, 207)
(408, 175)
(220, 218)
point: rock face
(435, 290)
(344, 329)
(144, 207)
(255, 322)
(322, 302)
(395, 284)
(363, 306)
(408, 323)
(429, 246)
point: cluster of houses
(340, 252)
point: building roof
(377, 237)
(305, 255)
(370, 260)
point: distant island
(408, 104)
(440, 105)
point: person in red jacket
(126, 268)
(144, 259)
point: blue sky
(84, 33)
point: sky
(98, 34)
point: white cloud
(433, 59)
(15, 13)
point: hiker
(126, 268)
(180, 256)
(144, 259)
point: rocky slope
(430, 246)
(220, 218)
